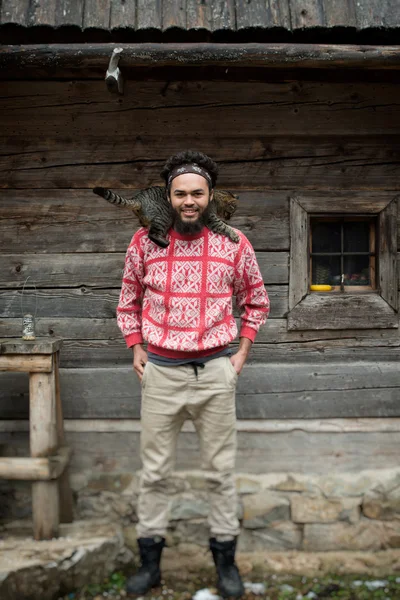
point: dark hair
(190, 156)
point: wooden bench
(47, 465)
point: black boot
(149, 574)
(229, 581)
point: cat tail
(116, 198)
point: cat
(153, 210)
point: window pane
(326, 269)
(356, 270)
(325, 236)
(356, 236)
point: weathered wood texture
(35, 469)
(39, 60)
(294, 451)
(290, 15)
(266, 391)
(74, 111)
(324, 142)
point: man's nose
(189, 200)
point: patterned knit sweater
(179, 299)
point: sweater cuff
(133, 338)
(248, 332)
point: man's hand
(241, 355)
(139, 360)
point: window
(343, 253)
(348, 242)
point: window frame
(375, 309)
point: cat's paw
(160, 241)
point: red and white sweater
(179, 299)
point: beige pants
(170, 395)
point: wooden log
(26, 363)
(346, 311)
(64, 489)
(45, 345)
(56, 57)
(265, 390)
(35, 469)
(83, 301)
(100, 270)
(355, 424)
(290, 451)
(40, 218)
(273, 334)
(298, 283)
(43, 442)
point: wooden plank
(340, 13)
(43, 442)
(199, 14)
(38, 221)
(149, 14)
(97, 15)
(84, 301)
(223, 15)
(270, 390)
(45, 58)
(387, 240)
(298, 163)
(355, 424)
(35, 469)
(362, 111)
(122, 15)
(343, 202)
(65, 498)
(43, 13)
(37, 346)
(100, 270)
(174, 14)
(344, 311)
(298, 281)
(307, 13)
(273, 333)
(15, 12)
(25, 363)
(377, 13)
(69, 12)
(262, 14)
(294, 451)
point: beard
(190, 227)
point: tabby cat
(153, 210)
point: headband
(189, 168)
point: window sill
(320, 310)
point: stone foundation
(278, 511)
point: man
(179, 300)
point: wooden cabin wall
(308, 400)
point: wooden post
(43, 442)
(64, 488)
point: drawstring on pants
(195, 365)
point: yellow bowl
(320, 288)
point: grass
(277, 587)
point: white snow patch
(377, 583)
(205, 594)
(255, 588)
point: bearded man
(179, 300)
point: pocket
(232, 368)
(144, 376)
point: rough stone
(86, 552)
(297, 483)
(280, 535)
(188, 507)
(247, 485)
(383, 501)
(194, 531)
(364, 535)
(263, 508)
(316, 509)
(354, 484)
(111, 482)
(110, 505)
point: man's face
(190, 197)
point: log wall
(272, 140)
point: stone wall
(278, 511)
